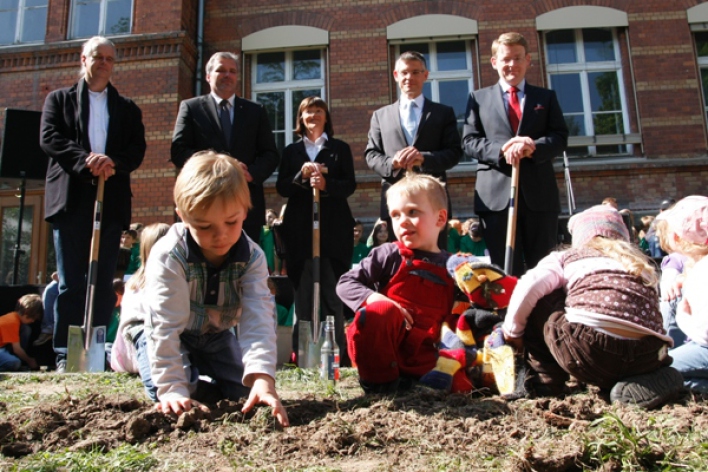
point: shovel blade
(80, 359)
(308, 356)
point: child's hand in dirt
(378, 297)
(263, 392)
(179, 406)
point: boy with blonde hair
(15, 333)
(203, 278)
(401, 292)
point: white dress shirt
(98, 120)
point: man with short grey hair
(87, 131)
(228, 124)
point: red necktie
(514, 109)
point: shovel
(86, 350)
(511, 222)
(308, 343)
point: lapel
(82, 114)
(393, 118)
(209, 108)
(530, 101)
(500, 108)
(113, 119)
(424, 117)
(239, 124)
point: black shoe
(43, 338)
(649, 390)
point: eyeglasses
(411, 73)
(102, 58)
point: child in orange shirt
(15, 332)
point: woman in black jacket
(301, 170)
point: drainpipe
(200, 49)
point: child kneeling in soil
(687, 234)
(204, 279)
(592, 311)
(401, 292)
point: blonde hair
(206, 176)
(510, 39)
(414, 184)
(148, 238)
(629, 255)
(693, 251)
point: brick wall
(157, 64)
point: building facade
(631, 76)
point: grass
(118, 460)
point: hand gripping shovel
(309, 344)
(86, 351)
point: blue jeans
(9, 362)
(668, 313)
(49, 298)
(215, 355)
(72, 240)
(691, 360)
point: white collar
(318, 142)
(405, 101)
(505, 86)
(218, 99)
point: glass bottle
(329, 358)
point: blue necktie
(225, 119)
(410, 123)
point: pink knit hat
(688, 219)
(600, 220)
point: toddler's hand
(674, 290)
(263, 392)
(179, 406)
(378, 297)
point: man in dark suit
(232, 125)
(87, 131)
(513, 122)
(413, 133)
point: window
(450, 78)
(702, 51)
(22, 21)
(585, 70)
(281, 80)
(104, 17)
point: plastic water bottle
(329, 359)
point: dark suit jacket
(64, 137)
(198, 128)
(486, 130)
(437, 139)
(336, 221)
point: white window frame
(103, 8)
(582, 68)
(20, 21)
(288, 86)
(702, 65)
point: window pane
(86, 15)
(422, 48)
(452, 56)
(274, 103)
(35, 3)
(608, 123)
(307, 65)
(598, 45)
(270, 67)
(10, 217)
(118, 17)
(427, 90)
(561, 47)
(575, 124)
(454, 94)
(702, 44)
(567, 87)
(8, 23)
(704, 77)
(604, 91)
(35, 24)
(298, 96)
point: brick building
(631, 76)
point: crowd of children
(198, 307)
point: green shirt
(476, 248)
(361, 250)
(267, 243)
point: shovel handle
(511, 222)
(93, 261)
